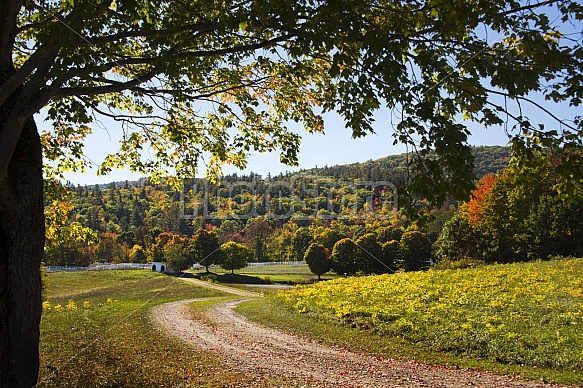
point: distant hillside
(488, 159)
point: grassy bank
(523, 319)
(96, 331)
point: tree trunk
(21, 250)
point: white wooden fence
(109, 266)
(100, 267)
(275, 263)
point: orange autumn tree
(474, 209)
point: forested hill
(394, 168)
(128, 218)
(488, 159)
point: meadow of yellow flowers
(526, 313)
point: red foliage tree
(474, 208)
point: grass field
(62, 284)
(286, 274)
(522, 319)
(95, 331)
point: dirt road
(230, 290)
(258, 350)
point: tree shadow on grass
(228, 278)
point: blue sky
(334, 147)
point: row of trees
(515, 215)
(203, 248)
(367, 255)
(323, 249)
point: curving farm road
(258, 350)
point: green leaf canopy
(214, 81)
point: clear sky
(334, 147)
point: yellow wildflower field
(526, 313)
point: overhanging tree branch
(193, 28)
(114, 87)
(539, 106)
(34, 65)
(237, 49)
(528, 7)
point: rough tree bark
(21, 250)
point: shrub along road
(254, 349)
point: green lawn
(86, 282)
(287, 274)
(104, 337)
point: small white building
(160, 267)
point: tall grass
(525, 316)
